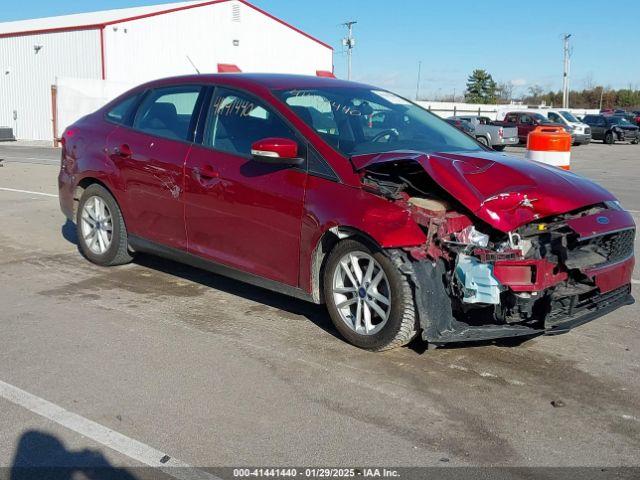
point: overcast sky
(517, 42)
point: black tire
(118, 251)
(635, 142)
(483, 141)
(498, 148)
(609, 139)
(401, 326)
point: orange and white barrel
(550, 145)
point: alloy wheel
(96, 225)
(361, 293)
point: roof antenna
(193, 65)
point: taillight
(500, 132)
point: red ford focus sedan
(349, 195)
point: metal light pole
(565, 77)
(418, 85)
(349, 42)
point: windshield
(569, 117)
(357, 120)
(620, 121)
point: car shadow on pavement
(69, 232)
(40, 455)
(315, 313)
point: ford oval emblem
(602, 220)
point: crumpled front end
(474, 281)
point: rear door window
(168, 112)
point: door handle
(205, 175)
(123, 151)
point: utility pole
(349, 42)
(567, 65)
(418, 86)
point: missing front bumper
(440, 327)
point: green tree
(481, 88)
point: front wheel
(483, 141)
(370, 301)
(608, 138)
(635, 142)
(102, 235)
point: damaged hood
(506, 192)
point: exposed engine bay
(480, 282)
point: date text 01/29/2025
(315, 473)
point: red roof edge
(51, 30)
(153, 14)
(286, 24)
(162, 12)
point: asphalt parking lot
(179, 362)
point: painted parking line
(28, 191)
(32, 159)
(103, 435)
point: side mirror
(276, 151)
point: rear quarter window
(121, 112)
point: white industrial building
(128, 46)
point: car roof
(271, 81)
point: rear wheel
(498, 148)
(370, 301)
(608, 138)
(102, 235)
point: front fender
(331, 204)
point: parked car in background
(416, 229)
(612, 128)
(580, 131)
(525, 122)
(461, 125)
(490, 134)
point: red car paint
(527, 275)
(610, 277)
(607, 221)
(269, 223)
(506, 192)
